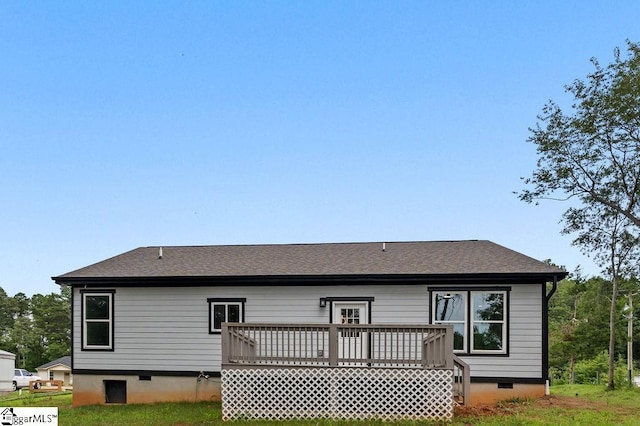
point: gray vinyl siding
(167, 328)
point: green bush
(591, 371)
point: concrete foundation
(93, 389)
(490, 393)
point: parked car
(21, 379)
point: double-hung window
(97, 320)
(478, 316)
(224, 310)
(488, 321)
(451, 308)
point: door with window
(352, 344)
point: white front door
(352, 344)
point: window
(478, 317)
(50, 375)
(450, 308)
(97, 320)
(224, 310)
(488, 321)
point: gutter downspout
(545, 327)
(553, 288)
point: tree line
(37, 329)
(579, 330)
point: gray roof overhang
(312, 280)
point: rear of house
(147, 323)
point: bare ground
(563, 402)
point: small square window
(224, 310)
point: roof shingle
(350, 259)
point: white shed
(7, 365)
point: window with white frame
(478, 317)
(97, 320)
(224, 310)
(451, 308)
(488, 321)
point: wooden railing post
(462, 380)
(225, 344)
(333, 345)
(448, 347)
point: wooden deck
(379, 349)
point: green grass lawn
(567, 405)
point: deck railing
(461, 380)
(412, 350)
(327, 345)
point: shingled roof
(420, 258)
(65, 361)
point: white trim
(468, 309)
(85, 321)
(226, 313)
(503, 321)
(350, 345)
(464, 321)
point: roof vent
(160, 253)
(384, 246)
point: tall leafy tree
(592, 153)
(6, 316)
(52, 320)
(21, 305)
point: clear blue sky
(126, 124)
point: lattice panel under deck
(348, 393)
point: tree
(593, 154)
(6, 315)
(36, 329)
(52, 320)
(579, 325)
(613, 241)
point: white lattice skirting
(346, 393)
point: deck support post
(333, 345)
(226, 348)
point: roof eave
(488, 277)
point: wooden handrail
(461, 379)
(338, 344)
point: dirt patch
(507, 408)
(567, 402)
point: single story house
(149, 324)
(58, 369)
